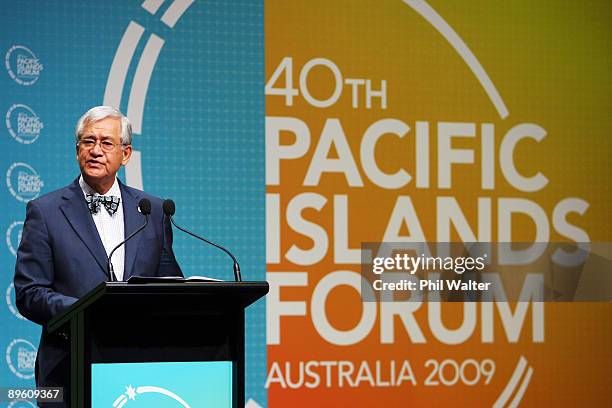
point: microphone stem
(237, 275)
(109, 266)
(111, 271)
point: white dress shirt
(110, 227)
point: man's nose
(96, 150)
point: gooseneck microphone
(170, 209)
(144, 206)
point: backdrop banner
(433, 121)
(366, 125)
(190, 76)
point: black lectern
(118, 322)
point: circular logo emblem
(23, 124)
(22, 65)
(10, 301)
(23, 182)
(21, 358)
(13, 236)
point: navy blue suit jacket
(61, 257)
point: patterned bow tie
(111, 203)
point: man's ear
(127, 153)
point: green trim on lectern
(77, 353)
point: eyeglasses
(105, 144)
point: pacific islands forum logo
(13, 236)
(23, 124)
(21, 358)
(10, 301)
(23, 182)
(22, 65)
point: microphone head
(169, 208)
(144, 206)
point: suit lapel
(75, 210)
(132, 220)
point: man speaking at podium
(69, 233)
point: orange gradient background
(550, 64)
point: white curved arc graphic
(159, 390)
(429, 14)
(252, 404)
(119, 400)
(140, 84)
(121, 63)
(511, 386)
(152, 5)
(521, 391)
(175, 11)
(133, 170)
(20, 402)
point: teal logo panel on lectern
(162, 385)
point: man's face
(98, 166)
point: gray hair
(102, 112)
